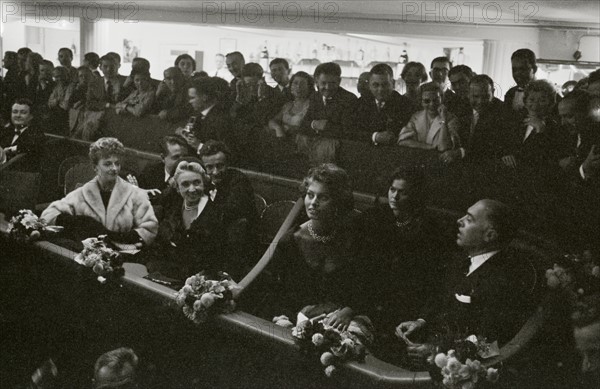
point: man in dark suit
(233, 194)
(42, 92)
(524, 66)
(488, 125)
(158, 175)
(491, 294)
(235, 62)
(13, 86)
(114, 83)
(458, 101)
(331, 109)
(280, 72)
(380, 114)
(22, 136)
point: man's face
(412, 78)
(170, 79)
(82, 77)
(9, 61)
(280, 74)
(141, 82)
(235, 64)
(215, 166)
(522, 72)
(473, 228)
(109, 68)
(186, 66)
(328, 84)
(568, 116)
(176, 151)
(399, 196)
(197, 101)
(431, 101)
(45, 72)
(363, 83)
(480, 95)
(21, 115)
(439, 72)
(460, 84)
(381, 86)
(64, 58)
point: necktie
(109, 92)
(380, 105)
(474, 122)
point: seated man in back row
(492, 297)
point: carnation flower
(465, 372)
(441, 360)
(327, 359)
(207, 300)
(492, 374)
(197, 305)
(468, 385)
(453, 365)
(330, 370)
(318, 339)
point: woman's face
(412, 77)
(170, 80)
(190, 186)
(318, 202)
(430, 101)
(538, 104)
(186, 66)
(399, 196)
(299, 88)
(107, 169)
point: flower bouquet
(576, 275)
(104, 261)
(201, 297)
(458, 375)
(26, 226)
(333, 346)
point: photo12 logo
(269, 11)
(53, 12)
(469, 11)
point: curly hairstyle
(542, 86)
(192, 165)
(105, 148)
(338, 183)
(310, 81)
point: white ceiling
(542, 13)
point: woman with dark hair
(314, 261)
(413, 74)
(186, 64)
(172, 96)
(401, 248)
(288, 120)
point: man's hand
(385, 137)
(340, 319)
(408, 327)
(591, 165)
(450, 156)
(418, 353)
(510, 161)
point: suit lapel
(434, 130)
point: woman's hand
(510, 161)
(340, 319)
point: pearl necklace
(189, 208)
(403, 224)
(319, 238)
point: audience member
(172, 96)
(458, 103)
(490, 295)
(22, 135)
(43, 90)
(235, 63)
(221, 69)
(413, 74)
(593, 86)
(186, 64)
(432, 128)
(141, 101)
(330, 113)
(383, 113)
(13, 86)
(114, 89)
(58, 101)
(524, 66)
(65, 58)
(32, 69)
(92, 61)
(362, 85)
(139, 65)
(116, 369)
(440, 68)
(107, 204)
(286, 124)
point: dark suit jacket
(501, 299)
(491, 135)
(392, 117)
(461, 108)
(31, 141)
(216, 125)
(339, 113)
(153, 176)
(235, 198)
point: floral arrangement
(458, 375)
(104, 261)
(576, 275)
(27, 226)
(201, 297)
(333, 345)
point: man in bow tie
(22, 136)
(491, 294)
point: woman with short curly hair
(106, 204)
